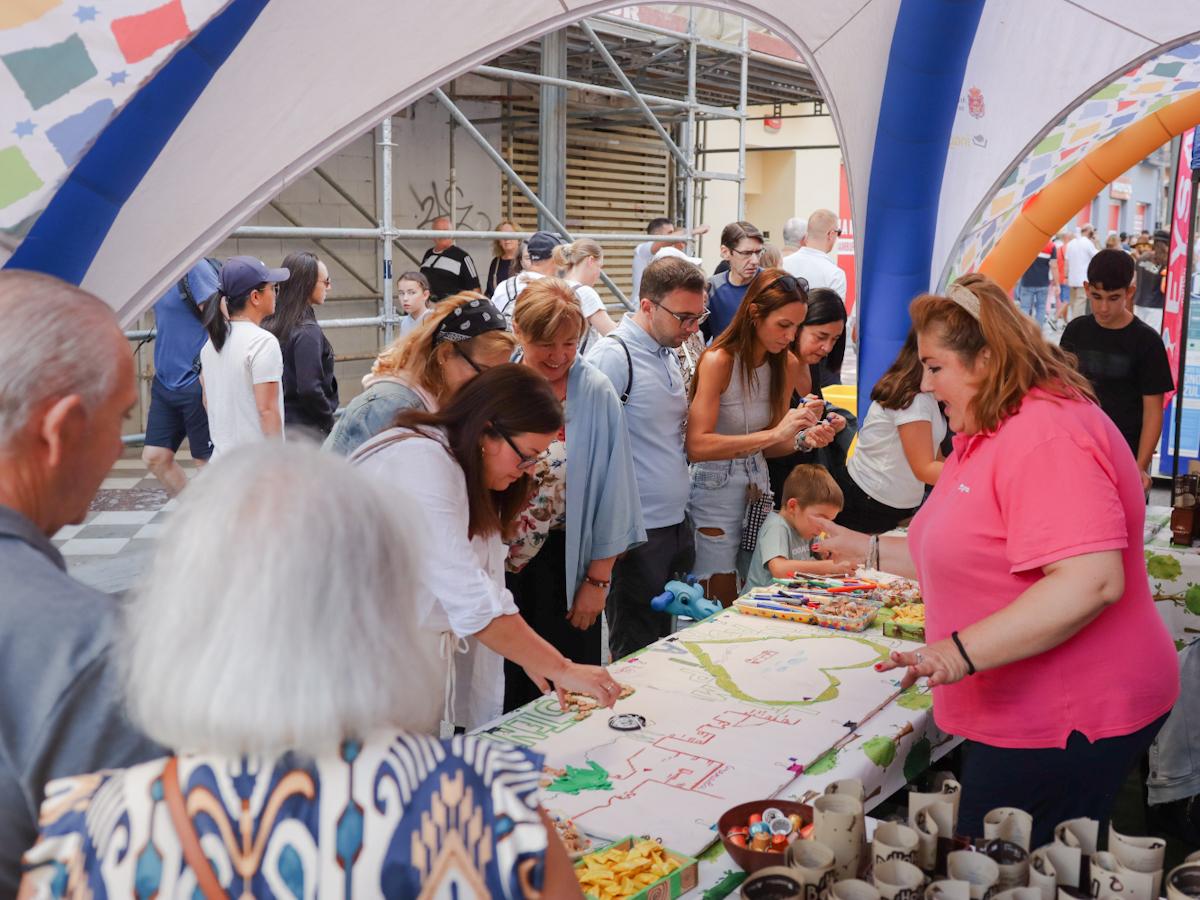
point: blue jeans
(1032, 301)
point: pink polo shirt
(1055, 480)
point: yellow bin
(845, 396)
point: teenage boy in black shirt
(1121, 356)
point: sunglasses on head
(791, 283)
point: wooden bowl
(753, 860)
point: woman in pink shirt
(1046, 652)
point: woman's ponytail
(214, 321)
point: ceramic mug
(898, 880)
(981, 871)
(894, 841)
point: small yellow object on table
(630, 867)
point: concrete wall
(779, 183)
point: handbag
(189, 842)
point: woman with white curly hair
(276, 645)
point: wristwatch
(801, 441)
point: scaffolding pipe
(520, 184)
(331, 253)
(689, 205)
(711, 43)
(742, 89)
(368, 234)
(637, 98)
(514, 75)
(386, 226)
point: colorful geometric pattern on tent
(1140, 91)
(66, 67)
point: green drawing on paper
(825, 763)
(726, 886)
(1162, 566)
(726, 682)
(880, 750)
(593, 778)
(915, 699)
(918, 759)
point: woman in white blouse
(467, 466)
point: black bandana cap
(471, 319)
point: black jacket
(310, 392)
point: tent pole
(1183, 331)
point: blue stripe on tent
(926, 66)
(68, 234)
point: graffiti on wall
(436, 203)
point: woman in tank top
(739, 415)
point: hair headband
(965, 298)
(469, 320)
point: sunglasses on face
(479, 370)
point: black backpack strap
(629, 364)
(189, 300)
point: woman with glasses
(473, 461)
(739, 415)
(585, 510)
(462, 337)
(412, 290)
(310, 392)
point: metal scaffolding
(637, 47)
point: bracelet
(958, 643)
(801, 440)
(596, 582)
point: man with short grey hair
(67, 384)
(794, 231)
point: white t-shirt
(1079, 253)
(879, 465)
(462, 578)
(817, 269)
(504, 298)
(642, 257)
(251, 356)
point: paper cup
(949, 889)
(1082, 834)
(1110, 880)
(773, 883)
(1020, 893)
(1183, 882)
(851, 787)
(949, 792)
(1068, 862)
(1043, 874)
(1139, 854)
(1008, 823)
(1013, 861)
(838, 824)
(813, 863)
(932, 821)
(898, 880)
(854, 889)
(981, 871)
(894, 841)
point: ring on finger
(920, 658)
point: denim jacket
(373, 411)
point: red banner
(1177, 259)
(845, 245)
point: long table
(737, 708)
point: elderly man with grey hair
(794, 230)
(66, 384)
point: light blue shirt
(776, 540)
(655, 415)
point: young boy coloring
(784, 540)
(1122, 356)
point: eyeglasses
(328, 282)
(791, 283)
(526, 462)
(746, 254)
(479, 370)
(685, 319)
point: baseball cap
(542, 244)
(242, 274)
(675, 251)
